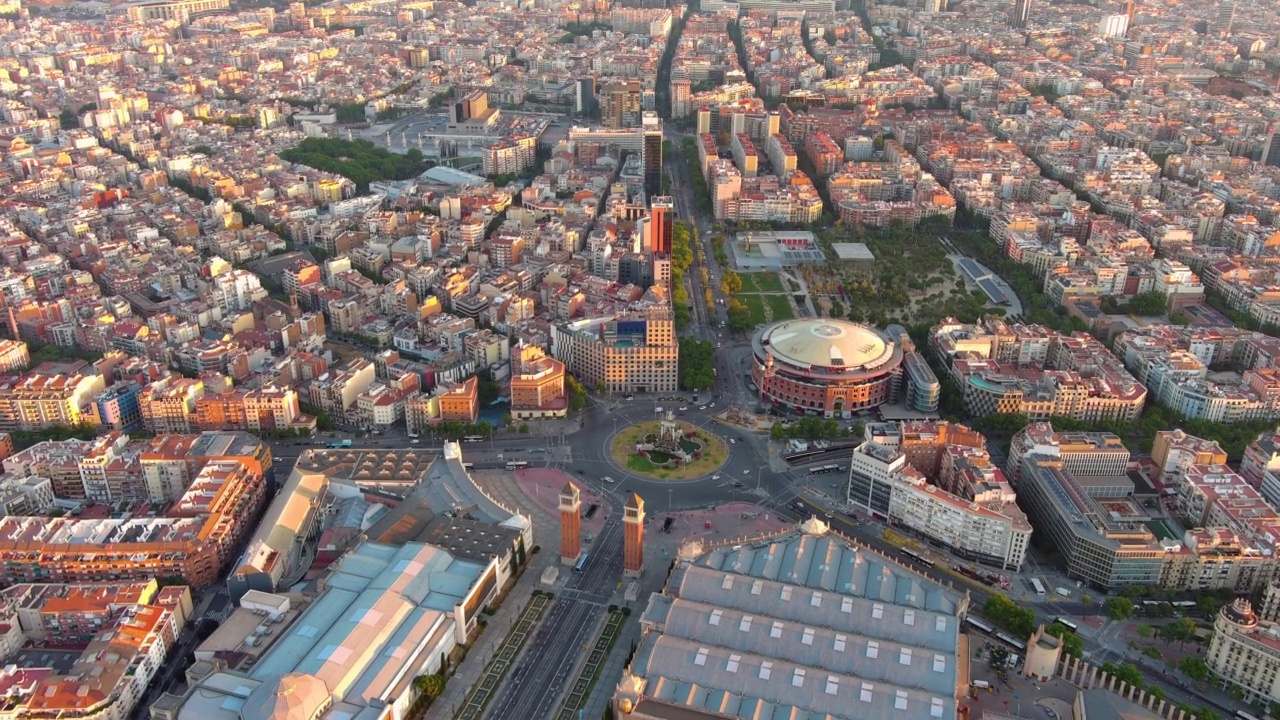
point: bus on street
(1037, 586)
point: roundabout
(668, 450)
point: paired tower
(633, 536)
(570, 524)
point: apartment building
(1245, 652)
(1094, 454)
(963, 502)
(537, 385)
(1031, 370)
(256, 409)
(460, 403)
(335, 392)
(14, 355)
(36, 401)
(625, 353)
(168, 405)
(509, 156)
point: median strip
(521, 631)
(581, 688)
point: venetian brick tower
(570, 524)
(633, 536)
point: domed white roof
(823, 343)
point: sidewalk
(478, 656)
(545, 531)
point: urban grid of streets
(547, 663)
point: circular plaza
(668, 449)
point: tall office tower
(1225, 18)
(652, 155)
(1020, 14)
(935, 5)
(1131, 12)
(620, 104)
(633, 536)
(570, 524)
(681, 94)
(658, 226)
(1271, 150)
(475, 104)
(584, 97)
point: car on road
(415, 441)
(746, 472)
(711, 405)
(683, 409)
(835, 485)
(715, 477)
(608, 479)
(733, 441)
(791, 506)
(700, 407)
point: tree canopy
(360, 161)
(696, 364)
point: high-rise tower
(1020, 14)
(570, 524)
(633, 536)
(652, 154)
(658, 227)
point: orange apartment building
(269, 408)
(461, 403)
(197, 540)
(537, 385)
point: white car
(683, 409)
(711, 405)
(733, 441)
(702, 407)
(715, 477)
(608, 479)
(746, 472)
(415, 441)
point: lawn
(759, 282)
(780, 306)
(623, 452)
(754, 303)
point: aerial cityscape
(628, 359)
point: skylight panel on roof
(873, 649)
(838, 646)
(756, 587)
(745, 623)
(732, 664)
(935, 709)
(865, 696)
(776, 630)
(940, 623)
(909, 617)
(727, 583)
(701, 658)
(900, 701)
(877, 611)
(846, 605)
(715, 617)
(833, 684)
(797, 679)
(904, 657)
(766, 669)
(807, 637)
(939, 663)
(786, 593)
(816, 599)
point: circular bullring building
(826, 367)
